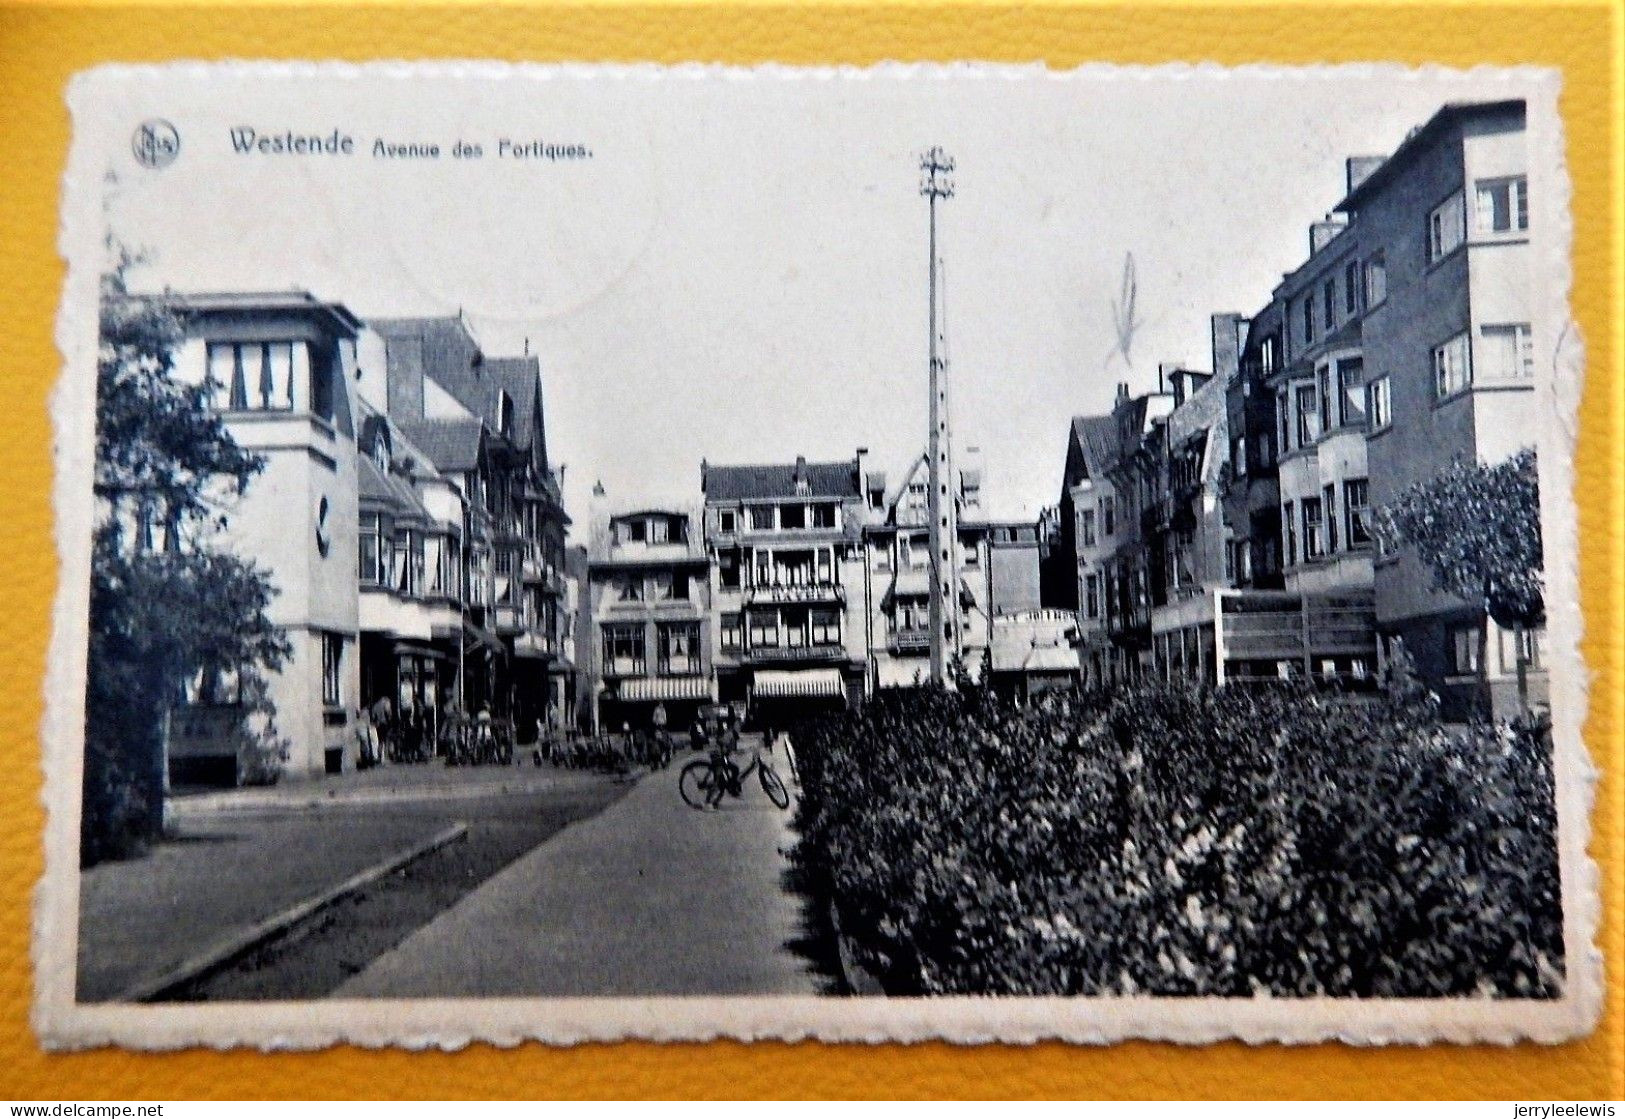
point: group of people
(410, 735)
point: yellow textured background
(42, 45)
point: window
(1379, 404)
(732, 630)
(636, 531)
(1308, 320)
(677, 648)
(1325, 398)
(376, 550)
(915, 550)
(1376, 279)
(1091, 595)
(1357, 507)
(764, 629)
(761, 518)
(252, 376)
(1509, 642)
(1238, 456)
(1452, 367)
(1507, 351)
(1328, 304)
(624, 650)
(1462, 647)
(1446, 228)
(1329, 501)
(826, 625)
(794, 621)
(629, 588)
(659, 530)
(414, 568)
(1291, 528)
(1314, 544)
(1086, 528)
(824, 565)
(728, 570)
(1108, 515)
(1502, 205)
(1351, 287)
(823, 515)
(1308, 414)
(332, 669)
(1283, 415)
(1267, 356)
(505, 415)
(970, 551)
(792, 516)
(1351, 391)
(879, 554)
(727, 521)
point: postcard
(985, 553)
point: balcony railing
(797, 653)
(795, 592)
(909, 642)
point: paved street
(647, 898)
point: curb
(223, 952)
(313, 800)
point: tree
(1477, 529)
(165, 603)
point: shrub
(1184, 842)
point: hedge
(1174, 841)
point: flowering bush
(1184, 842)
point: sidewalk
(648, 898)
(235, 862)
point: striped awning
(803, 682)
(651, 689)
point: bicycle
(702, 786)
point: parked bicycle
(705, 781)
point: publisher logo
(155, 143)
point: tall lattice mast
(935, 184)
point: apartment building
(648, 593)
(1451, 340)
(281, 365)
(788, 586)
(480, 421)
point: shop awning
(805, 682)
(649, 690)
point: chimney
(801, 467)
(1167, 373)
(1322, 232)
(1122, 392)
(702, 475)
(1229, 333)
(1358, 168)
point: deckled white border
(453, 1023)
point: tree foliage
(165, 601)
(1477, 529)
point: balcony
(795, 593)
(909, 642)
(796, 654)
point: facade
(281, 365)
(479, 421)
(648, 595)
(1450, 338)
(897, 582)
(788, 586)
(1131, 568)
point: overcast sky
(738, 270)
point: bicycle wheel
(697, 783)
(772, 786)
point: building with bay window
(648, 594)
(788, 583)
(1451, 331)
(280, 366)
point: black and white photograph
(964, 552)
